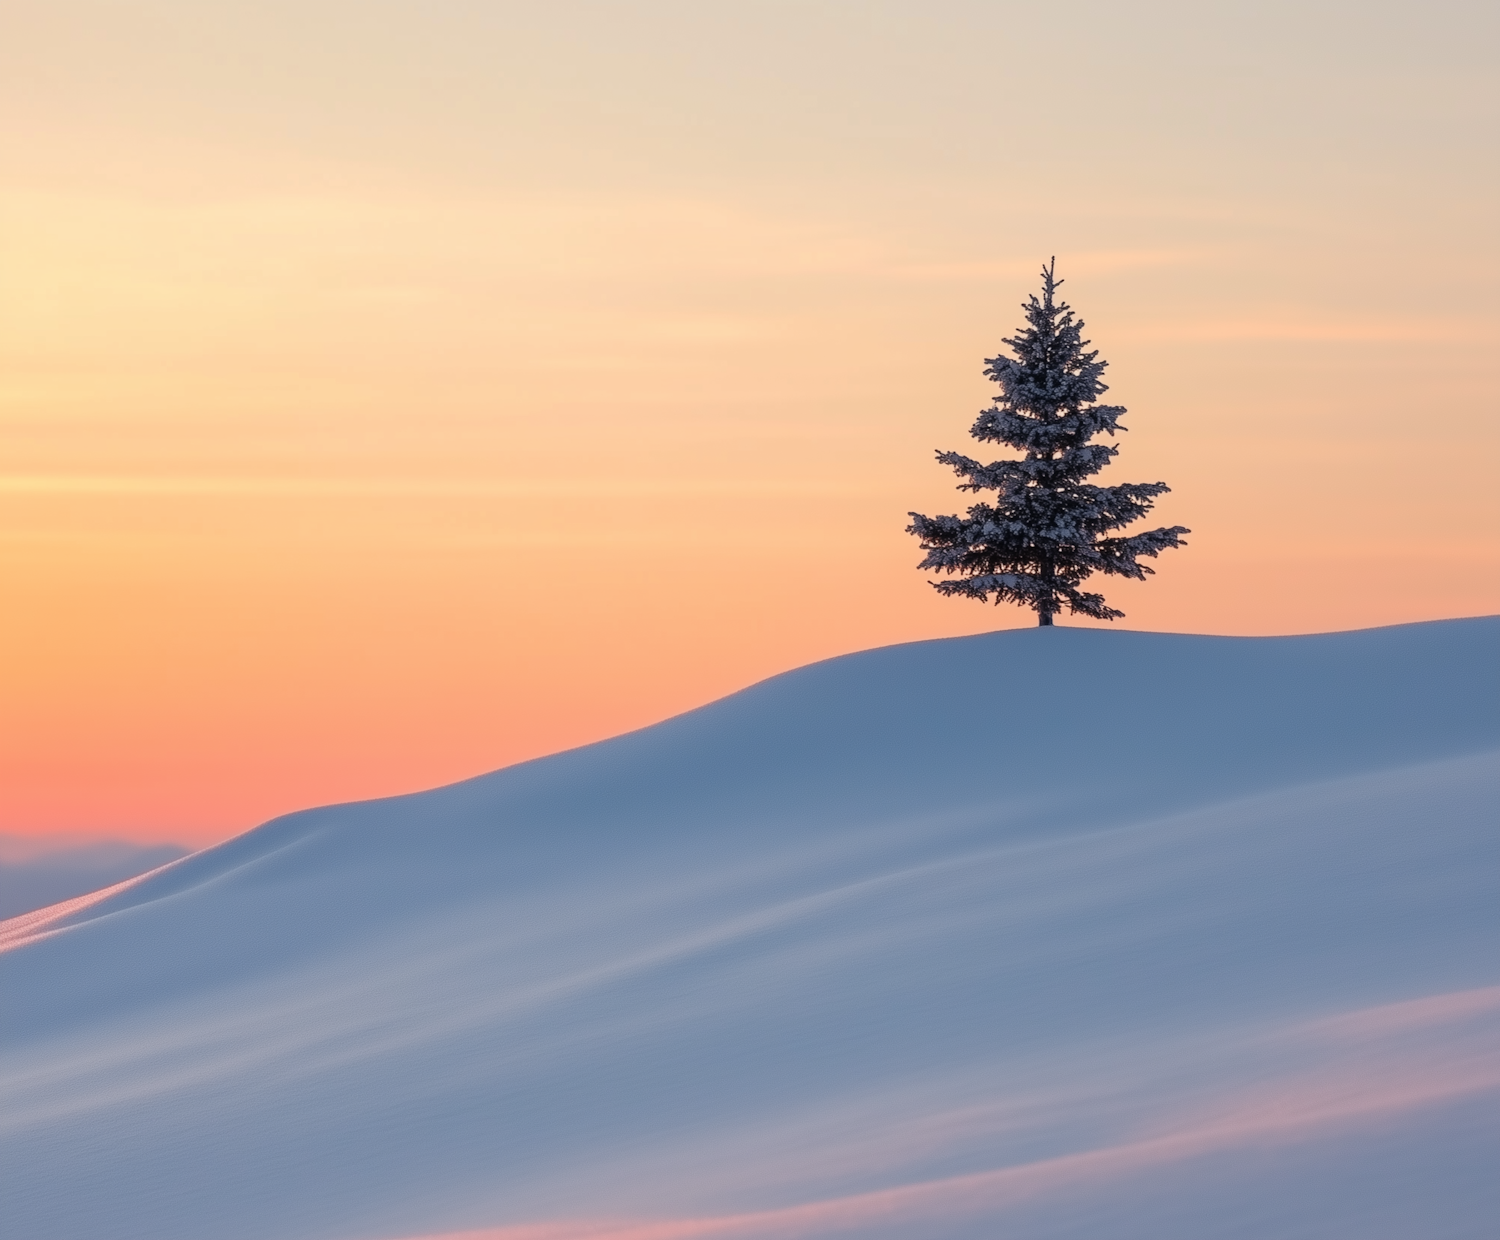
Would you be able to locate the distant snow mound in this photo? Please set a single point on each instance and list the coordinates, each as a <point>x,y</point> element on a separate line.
<point>41,875</point>
<point>1048,933</point>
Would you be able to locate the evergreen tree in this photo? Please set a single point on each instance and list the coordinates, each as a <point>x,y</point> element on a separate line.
<point>1048,529</point>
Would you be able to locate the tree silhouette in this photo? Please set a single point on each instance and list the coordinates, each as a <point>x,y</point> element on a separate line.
<point>1047,529</point>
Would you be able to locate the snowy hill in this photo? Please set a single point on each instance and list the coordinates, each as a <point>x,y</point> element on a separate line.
<point>1044,933</point>
<point>33,875</point>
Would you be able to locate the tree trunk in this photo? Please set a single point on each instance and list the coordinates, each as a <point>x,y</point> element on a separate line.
<point>1049,574</point>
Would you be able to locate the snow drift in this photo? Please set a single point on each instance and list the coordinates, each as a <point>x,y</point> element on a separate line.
<point>1044,933</point>
<point>36,873</point>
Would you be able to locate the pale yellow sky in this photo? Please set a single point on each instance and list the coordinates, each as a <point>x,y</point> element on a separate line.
<point>392,391</point>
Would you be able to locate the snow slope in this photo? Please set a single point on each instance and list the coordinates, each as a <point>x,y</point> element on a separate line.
<point>33,875</point>
<point>1046,933</point>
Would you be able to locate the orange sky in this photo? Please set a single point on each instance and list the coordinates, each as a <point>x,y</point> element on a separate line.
<point>391,393</point>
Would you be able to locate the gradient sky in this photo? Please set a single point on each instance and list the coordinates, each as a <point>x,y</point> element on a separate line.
<point>392,391</point>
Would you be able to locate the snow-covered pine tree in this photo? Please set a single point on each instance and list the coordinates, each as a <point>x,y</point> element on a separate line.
<point>1047,529</point>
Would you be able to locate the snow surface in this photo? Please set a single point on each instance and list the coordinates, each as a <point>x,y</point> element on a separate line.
<point>1048,933</point>
<point>34,874</point>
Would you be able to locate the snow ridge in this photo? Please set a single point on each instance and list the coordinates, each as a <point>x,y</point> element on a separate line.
<point>925,940</point>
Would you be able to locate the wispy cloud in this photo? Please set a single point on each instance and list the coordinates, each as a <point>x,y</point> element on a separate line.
<point>1294,328</point>
<point>209,485</point>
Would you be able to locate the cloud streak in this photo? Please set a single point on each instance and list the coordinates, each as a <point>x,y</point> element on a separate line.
<point>209,485</point>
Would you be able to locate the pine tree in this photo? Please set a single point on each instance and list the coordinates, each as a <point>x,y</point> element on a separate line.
<point>1048,529</point>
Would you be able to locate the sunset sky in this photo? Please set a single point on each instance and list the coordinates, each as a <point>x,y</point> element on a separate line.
<point>393,391</point>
